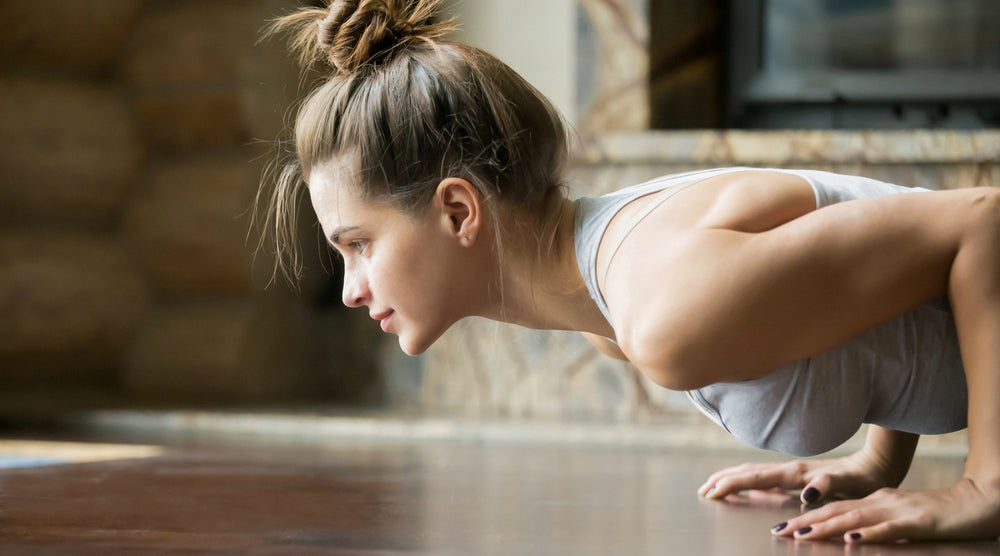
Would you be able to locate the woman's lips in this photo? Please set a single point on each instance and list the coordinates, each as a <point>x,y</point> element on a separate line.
<point>383,319</point>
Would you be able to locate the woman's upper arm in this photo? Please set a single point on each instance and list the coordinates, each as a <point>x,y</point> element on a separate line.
<point>699,305</point>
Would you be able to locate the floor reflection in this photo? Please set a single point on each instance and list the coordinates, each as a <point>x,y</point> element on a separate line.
<point>413,499</point>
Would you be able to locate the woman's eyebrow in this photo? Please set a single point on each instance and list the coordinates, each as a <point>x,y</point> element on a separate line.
<point>335,235</point>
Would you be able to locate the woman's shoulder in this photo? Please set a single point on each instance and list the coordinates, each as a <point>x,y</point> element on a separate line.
<point>739,198</point>
<point>746,200</point>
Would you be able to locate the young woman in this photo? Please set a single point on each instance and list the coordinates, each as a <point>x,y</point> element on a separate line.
<point>792,306</point>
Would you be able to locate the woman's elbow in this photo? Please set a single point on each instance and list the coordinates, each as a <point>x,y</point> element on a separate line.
<point>667,364</point>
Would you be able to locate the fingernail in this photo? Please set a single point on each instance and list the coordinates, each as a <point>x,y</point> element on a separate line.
<point>779,527</point>
<point>804,531</point>
<point>810,495</point>
<point>855,536</point>
<point>710,492</point>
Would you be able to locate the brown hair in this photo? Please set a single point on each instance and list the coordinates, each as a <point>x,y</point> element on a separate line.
<point>404,108</point>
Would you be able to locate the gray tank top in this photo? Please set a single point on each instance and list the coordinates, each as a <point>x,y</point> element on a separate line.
<point>905,374</point>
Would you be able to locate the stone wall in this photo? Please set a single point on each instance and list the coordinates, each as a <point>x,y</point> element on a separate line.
<point>132,138</point>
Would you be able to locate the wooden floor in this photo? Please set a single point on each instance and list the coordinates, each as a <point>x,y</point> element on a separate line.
<point>403,499</point>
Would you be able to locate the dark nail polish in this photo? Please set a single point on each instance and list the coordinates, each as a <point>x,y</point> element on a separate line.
<point>804,531</point>
<point>810,495</point>
<point>855,536</point>
<point>779,527</point>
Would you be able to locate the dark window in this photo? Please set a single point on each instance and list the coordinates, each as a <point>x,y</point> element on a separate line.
<point>863,64</point>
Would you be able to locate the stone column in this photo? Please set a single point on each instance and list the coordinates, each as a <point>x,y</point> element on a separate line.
<point>612,65</point>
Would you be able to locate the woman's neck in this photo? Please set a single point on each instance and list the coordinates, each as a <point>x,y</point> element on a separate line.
<point>545,292</point>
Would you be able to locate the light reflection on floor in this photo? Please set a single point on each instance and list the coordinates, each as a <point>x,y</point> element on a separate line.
<point>25,453</point>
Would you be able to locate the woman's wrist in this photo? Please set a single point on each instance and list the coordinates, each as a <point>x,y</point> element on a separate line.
<point>986,482</point>
<point>982,466</point>
<point>888,453</point>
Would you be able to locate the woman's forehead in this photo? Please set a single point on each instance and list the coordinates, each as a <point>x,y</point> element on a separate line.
<point>332,192</point>
<point>332,204</point>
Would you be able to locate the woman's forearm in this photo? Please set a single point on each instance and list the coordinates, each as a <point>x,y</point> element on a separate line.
<point>983,378</point>
<point>974,290</point>
<point>891,452</point>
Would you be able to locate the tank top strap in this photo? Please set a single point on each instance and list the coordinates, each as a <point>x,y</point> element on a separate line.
<point>636,219</point>
<point>594,214</point>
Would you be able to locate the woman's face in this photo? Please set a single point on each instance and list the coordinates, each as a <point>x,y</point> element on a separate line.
<point>410,272</point>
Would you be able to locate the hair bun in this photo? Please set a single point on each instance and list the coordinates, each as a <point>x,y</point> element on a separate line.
<point>359,32</point>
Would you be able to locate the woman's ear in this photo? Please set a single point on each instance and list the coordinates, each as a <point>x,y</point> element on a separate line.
<point>461,209</point>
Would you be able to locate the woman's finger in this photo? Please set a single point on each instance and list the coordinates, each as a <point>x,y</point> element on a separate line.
<point>883,532</point>
<point>710,482</point>
<point>758,477</point>
<point>838,521</point>
<point>811,524</point>
<point>822,488</point>
<point>882,517</point>
<point>830,486</point>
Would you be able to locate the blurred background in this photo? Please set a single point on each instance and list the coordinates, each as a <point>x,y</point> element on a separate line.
<point>134,134</point>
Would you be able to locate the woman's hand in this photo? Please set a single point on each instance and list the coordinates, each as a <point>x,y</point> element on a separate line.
<point>966,511</point>
<point>853,476</point>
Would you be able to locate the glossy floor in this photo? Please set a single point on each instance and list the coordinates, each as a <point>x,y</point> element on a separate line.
<point>431,498</point>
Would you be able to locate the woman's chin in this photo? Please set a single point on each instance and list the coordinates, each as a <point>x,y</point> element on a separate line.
<point>416,345</point>
<point>410,350</point>
<point>411,346</point>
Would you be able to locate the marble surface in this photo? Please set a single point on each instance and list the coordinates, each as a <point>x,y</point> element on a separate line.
<point>612,68</point>
<point>483,368</point>
<point>784,147</point>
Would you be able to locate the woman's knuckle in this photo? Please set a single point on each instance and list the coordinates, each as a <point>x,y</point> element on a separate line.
<point>854,516</point>
<point>799,467</point>
<point>891,528</point>
<point>924,521</point>
<point>839,507</point>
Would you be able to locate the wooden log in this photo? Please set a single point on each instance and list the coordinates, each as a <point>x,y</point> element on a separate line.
<point>65,34</point>
<point>201,78</point>
<point>187,222</point>
<point>236,350</point>
<point>70,152</point>
<point>69,305</point>
<point>189,121</point>
<point>189,42</point>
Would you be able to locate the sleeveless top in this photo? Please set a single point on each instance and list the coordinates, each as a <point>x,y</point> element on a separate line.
<point>905,374</point>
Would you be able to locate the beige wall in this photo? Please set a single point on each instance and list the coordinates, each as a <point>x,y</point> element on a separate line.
<point>534,37</point>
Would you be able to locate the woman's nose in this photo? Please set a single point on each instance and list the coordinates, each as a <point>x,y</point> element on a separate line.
<point>356,291</point>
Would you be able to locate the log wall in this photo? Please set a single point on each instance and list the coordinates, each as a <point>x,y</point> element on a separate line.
<point>133,134</point>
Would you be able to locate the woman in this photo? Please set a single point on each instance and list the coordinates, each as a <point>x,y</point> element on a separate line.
<point>791,305</point>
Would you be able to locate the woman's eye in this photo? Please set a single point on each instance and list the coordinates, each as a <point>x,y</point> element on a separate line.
<point>357,246</point>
